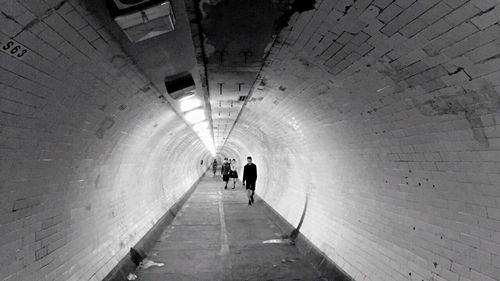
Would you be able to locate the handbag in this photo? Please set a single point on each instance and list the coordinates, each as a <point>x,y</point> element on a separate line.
<point>233,174</point>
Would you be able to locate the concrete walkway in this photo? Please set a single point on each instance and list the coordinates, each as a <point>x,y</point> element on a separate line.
<point>218,236</point>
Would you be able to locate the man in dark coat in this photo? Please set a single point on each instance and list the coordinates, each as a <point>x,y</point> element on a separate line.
<point>225,169</point>
<point>214,166</point>
<point>250,177</point>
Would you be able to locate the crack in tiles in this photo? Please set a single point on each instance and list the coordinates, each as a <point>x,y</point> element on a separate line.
<point>489,59</point>
<point>458,70</point>
<point>35,21</point>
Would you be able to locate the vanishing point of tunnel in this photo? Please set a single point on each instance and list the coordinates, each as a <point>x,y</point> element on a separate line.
<point>372,124</point>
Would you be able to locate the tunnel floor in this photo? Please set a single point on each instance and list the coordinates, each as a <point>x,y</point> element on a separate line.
<point>218,236</point>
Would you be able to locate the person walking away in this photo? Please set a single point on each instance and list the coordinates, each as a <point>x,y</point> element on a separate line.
<point>225,169</point>
<point>214,166</point>
<point>250,177</point>
<point>233,173</point>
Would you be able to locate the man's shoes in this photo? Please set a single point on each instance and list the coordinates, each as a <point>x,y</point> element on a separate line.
<point>234,187</point>
<point>249,202</point>
<point>225,187</point>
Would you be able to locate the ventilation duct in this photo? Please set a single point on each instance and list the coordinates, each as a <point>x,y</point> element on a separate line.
<point>141,20</point>
<point>180,86</point>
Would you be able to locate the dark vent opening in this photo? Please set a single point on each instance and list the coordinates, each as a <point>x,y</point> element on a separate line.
<point>242,98</point>
<point>179,82</point>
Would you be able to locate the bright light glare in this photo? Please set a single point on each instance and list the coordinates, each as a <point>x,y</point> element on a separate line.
<point>190,103</point>
<point>204,133</point>
<point>195,116</point>
<point>207,140</point>
<point>200,126</point>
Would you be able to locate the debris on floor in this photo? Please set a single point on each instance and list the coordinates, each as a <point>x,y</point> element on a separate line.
<point>131,276</point>
<point>288,260</point>
<point>147,263</point>
<point>277,241</point>
<point>137,255</point>
<point>292,237</point>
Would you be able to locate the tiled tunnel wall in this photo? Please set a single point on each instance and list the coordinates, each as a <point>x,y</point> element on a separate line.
<point>384,116</point>
<point>90,158</point>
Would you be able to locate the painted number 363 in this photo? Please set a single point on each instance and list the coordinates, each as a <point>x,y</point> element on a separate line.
<point>14,49</point>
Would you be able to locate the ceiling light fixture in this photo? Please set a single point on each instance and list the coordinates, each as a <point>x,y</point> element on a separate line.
<point>207,141</point>
<point>195,116</point>
<point>200,126</point>
<point>190,103</point>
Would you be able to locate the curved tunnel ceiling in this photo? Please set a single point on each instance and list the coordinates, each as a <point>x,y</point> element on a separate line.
<point>375,121</point>
<point>237,36</point>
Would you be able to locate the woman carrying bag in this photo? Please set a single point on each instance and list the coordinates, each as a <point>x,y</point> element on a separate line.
<point>233,172</point>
